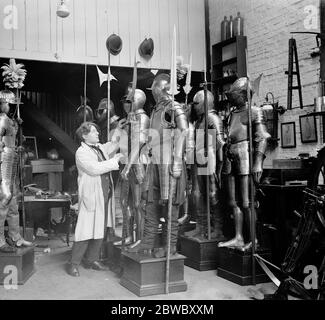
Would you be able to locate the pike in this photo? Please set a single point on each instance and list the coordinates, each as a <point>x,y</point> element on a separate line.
<point>172,181</point>
<point>187,89</point>
<point>206,142</point>
<point>125,184</point>
<point>251,182</point>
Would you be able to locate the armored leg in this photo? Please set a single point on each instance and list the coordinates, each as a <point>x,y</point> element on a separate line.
<point>238,241</point>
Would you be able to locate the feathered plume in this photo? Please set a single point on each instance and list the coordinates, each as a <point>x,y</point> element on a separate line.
<point>13,74</point>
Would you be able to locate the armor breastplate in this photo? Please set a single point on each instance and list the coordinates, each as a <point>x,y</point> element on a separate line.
<point>160,135</point>
<point>10,131</point>
<point>238,128</point>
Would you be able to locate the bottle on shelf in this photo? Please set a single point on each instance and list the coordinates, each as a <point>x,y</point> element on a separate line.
<point>238,25</point>
<point>224,28</point>
<point>230,32</point>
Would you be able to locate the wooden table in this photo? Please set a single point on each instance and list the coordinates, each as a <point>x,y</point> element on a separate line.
<point>35,206</point>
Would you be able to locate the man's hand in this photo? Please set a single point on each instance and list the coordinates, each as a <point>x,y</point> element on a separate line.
<point>118,157</point>
<point>125,174</point>
<point>122,123</point>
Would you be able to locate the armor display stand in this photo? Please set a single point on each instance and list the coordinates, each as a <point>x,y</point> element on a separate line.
<point>144,274</point>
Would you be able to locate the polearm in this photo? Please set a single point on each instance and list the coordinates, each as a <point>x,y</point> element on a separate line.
<point>108,93</point>
<point>251,182</point>
<point>85,93</point>
<point>187,89</point>
<point>206,146</point>
<point>21,163</point>
<point>172,181</point>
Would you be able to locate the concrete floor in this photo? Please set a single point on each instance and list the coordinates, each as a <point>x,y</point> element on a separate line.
<point>51,282</point>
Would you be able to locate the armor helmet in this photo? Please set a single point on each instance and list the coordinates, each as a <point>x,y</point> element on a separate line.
<point>114,44</point>
<point>139,99</point>
<point>160,86</point>
<point>146,49</point>
<point>7,96</point>
<point>237,94</point>
<point>198,102</point>
<point>101,112</point>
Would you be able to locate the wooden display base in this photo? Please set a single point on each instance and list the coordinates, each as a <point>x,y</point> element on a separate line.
<point>201,255</point>
<point>23,260</point>
<point>236,266</point>
<point>145,276</point>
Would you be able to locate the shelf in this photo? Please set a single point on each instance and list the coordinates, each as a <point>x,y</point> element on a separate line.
<point>226,62</point>
<point>224,80</point>
<point>226,42</point>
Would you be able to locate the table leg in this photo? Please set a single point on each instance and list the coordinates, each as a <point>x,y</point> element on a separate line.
<point>68,222</point>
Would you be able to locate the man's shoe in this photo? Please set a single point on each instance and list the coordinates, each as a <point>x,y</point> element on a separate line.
<point>7,249</point>
<point>72,270</point>
<point>96,265</point>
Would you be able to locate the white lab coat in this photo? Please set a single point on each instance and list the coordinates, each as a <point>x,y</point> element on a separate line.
<point>91,217</point>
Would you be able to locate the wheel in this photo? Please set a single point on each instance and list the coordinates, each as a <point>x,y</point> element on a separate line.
<point>317,183</point>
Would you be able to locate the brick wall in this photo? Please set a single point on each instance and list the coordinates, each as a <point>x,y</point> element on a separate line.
<point>267,25</point>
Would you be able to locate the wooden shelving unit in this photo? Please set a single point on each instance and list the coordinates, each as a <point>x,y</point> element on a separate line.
<point>228,64</point>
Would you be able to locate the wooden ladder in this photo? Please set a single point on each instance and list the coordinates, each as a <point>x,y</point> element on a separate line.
<point>293,55</point>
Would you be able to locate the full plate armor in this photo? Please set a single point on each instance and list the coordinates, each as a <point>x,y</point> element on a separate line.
<point>199,173</point>
<point>237,157</point>
<point>134,172</point>
<point>8,175</point>
<point>160,168</point>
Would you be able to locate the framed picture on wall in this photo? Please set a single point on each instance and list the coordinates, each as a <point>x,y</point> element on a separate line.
<point>308,130</point>
<point>288,135</point>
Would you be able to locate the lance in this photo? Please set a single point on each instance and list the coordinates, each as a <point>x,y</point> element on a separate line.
<point>251,182</point>
<point>108,94</point>
<point>172,181</point>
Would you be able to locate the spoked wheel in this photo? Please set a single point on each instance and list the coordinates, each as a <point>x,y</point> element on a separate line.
<point>317,183</point>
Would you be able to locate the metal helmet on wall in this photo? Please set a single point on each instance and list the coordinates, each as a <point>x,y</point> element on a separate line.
<point>146,49</point>
<point>101,112</point>
<point>198,101</point>
<point>114,44</point>
<point>160,86</point>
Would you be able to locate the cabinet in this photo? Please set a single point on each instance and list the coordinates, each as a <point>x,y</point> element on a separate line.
<point>228,64</point>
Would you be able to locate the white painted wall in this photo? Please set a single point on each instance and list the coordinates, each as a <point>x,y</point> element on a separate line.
<point>81,37</point>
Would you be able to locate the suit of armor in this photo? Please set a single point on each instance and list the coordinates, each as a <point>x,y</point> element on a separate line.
<point>161,167</point>
<point>199,174</point>
<point>8,174</point>
<point>134,171</point>
<point>236,166</point>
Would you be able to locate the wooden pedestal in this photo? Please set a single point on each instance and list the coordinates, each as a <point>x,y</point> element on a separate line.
<point>201,255</point>
<point>145,276</point>
<point>23,260</point>
<point>236,266</point>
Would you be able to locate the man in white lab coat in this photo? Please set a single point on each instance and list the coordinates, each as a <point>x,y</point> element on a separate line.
<point>96,196</point>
